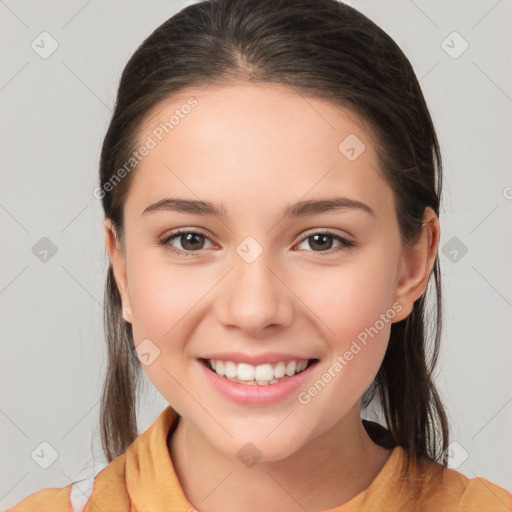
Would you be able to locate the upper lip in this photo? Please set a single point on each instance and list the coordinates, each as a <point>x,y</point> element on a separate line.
<point>256,359</point>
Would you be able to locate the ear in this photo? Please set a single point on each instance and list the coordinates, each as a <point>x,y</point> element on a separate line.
<point>416,265</point>
<point>118,261</point>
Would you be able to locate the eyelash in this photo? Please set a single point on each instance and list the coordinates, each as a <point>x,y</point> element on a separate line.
<point>165,242</point>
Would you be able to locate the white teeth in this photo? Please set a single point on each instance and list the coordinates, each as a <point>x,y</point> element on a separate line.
<point>290,369</point>
<point>262,374</point>
<point>245,371</point>
<point>301,365</point>
<point>279,370</point>
<point>230,369</point>
<point>219,368</point>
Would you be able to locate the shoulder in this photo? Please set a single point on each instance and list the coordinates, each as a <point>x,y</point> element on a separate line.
<point>482,495</point>
<point>55,499</point>
<point>70,498</point>
<point>407,483</point>
<point>453,490</point>
<point>433,487</point>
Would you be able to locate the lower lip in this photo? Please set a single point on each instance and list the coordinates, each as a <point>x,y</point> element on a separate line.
<point>256,394</point>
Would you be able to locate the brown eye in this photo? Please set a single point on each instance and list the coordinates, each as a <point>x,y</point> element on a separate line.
<point>323,242</point>
<point>190,242</point>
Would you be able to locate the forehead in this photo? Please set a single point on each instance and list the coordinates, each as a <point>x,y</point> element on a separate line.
<point>242,105</point>
<point>255,140</point>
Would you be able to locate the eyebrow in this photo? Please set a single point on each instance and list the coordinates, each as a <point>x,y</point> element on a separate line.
<point>299,209</point>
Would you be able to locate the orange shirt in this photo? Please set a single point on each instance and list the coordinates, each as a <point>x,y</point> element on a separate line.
<point>143,479</point>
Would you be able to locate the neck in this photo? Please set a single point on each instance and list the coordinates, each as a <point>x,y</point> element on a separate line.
<point>325,473</point>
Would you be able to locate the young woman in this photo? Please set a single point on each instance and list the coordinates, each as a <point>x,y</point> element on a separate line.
<point>271,182</point>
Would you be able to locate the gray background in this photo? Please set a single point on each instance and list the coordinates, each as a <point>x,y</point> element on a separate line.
<point>55,111</point>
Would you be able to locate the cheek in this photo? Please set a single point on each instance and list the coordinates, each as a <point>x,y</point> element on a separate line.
<point>161,295</point>
<point>348,299</point>
<point>353,306</point>
<point>160,300</point>
<point>165,299</point>
<point>356,318</point>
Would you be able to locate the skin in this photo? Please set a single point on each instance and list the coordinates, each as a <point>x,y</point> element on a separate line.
<point>257,149</point>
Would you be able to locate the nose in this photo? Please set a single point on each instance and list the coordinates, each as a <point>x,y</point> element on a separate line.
<point>254,296</point>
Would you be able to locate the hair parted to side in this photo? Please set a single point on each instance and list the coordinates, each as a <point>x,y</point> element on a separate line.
<point>328,50</point>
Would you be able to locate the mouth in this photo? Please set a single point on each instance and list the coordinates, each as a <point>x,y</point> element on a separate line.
<point>260,375</point>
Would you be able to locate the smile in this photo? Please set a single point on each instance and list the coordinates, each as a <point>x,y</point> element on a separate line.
<point>263,374</point>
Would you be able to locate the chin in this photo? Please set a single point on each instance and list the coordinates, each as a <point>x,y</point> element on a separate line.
<point>260,448</point>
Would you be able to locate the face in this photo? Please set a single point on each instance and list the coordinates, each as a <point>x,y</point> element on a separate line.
<point>251,285</point>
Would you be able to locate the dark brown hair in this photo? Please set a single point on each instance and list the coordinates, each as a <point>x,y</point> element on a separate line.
<point>328,50</point>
